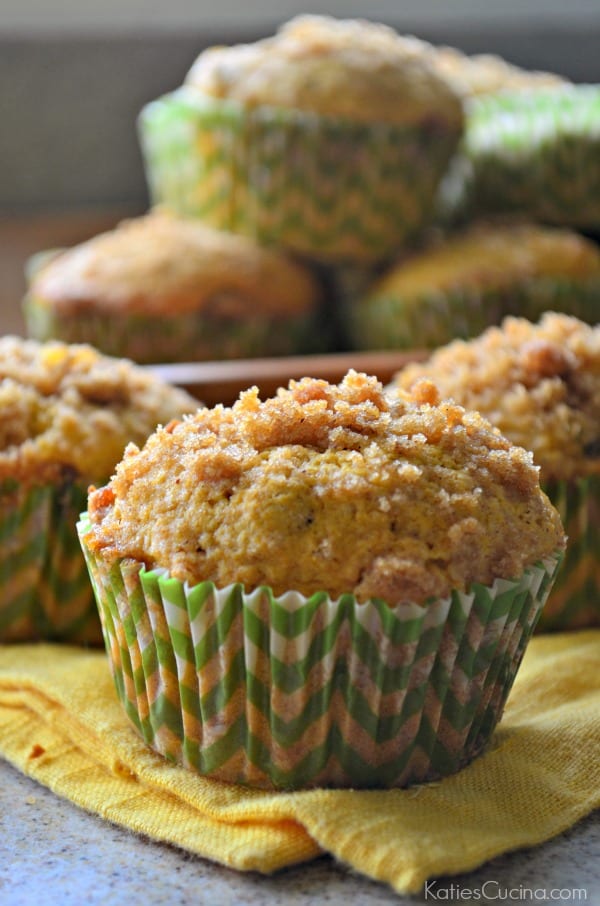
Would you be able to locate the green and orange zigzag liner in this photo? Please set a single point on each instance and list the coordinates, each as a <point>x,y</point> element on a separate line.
<point>535,153</point>
<point>575,599</point>
<point>176,337</point>
<point>45,588</point>
<point>378,321</point>
<point>318,185</point>
<point>290,692</point>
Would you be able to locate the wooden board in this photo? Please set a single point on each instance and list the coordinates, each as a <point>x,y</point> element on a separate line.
<point>222,382</point>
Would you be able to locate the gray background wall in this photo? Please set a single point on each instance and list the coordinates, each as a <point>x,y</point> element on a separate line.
<point>73,75</point>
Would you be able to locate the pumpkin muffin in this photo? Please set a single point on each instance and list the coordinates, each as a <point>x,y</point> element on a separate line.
<point>161,289</point>
<point>352,582</point>
<point>329,138</point>
<point>532,154</point>
<point>67,415</point>
<point>460,285</point>
<point>540,385</point>
<point>473,75</point>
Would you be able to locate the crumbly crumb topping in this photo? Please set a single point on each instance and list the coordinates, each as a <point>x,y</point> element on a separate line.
<point>346,68</point>
<point>66,408</point>
<point>479,74</point>
<point>331,487</point>
<point>538,383</point>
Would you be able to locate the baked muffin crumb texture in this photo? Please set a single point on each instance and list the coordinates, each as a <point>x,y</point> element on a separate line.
<point>538,383</point>
<point>334,488</point>
<point>69,411</point>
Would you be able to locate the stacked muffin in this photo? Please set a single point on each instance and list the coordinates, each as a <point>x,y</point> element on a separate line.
<point>340,146</point>
<point>473,279</point>
<point>162,289</point>
<point>336,140</point>
<point>534,154</point>
<point>329,138</point>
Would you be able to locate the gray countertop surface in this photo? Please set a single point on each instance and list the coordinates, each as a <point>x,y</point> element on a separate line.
<point>52,852</point>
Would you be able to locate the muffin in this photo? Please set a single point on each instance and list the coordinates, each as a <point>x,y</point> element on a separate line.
<point>162,289</point>
<point>471,280</point>
<point>328,138</point>
<point>531,153</point>
<point>473,75</point>
<point>67,415</point>
<point>324,588</point>
<point>540,385</point>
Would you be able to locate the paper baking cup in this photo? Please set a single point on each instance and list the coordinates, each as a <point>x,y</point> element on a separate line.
<point>321,186</point>
<point>44,586</point>
<point>290,692</point>
<point>535,153</point>
<point>388,321</point>
<point>185,337</point>
<point>575,599</point>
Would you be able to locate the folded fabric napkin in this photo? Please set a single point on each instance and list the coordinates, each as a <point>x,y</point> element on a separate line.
<point>60,723</point>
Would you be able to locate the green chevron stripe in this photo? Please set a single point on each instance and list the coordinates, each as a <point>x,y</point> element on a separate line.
<point>575,599</point>
<point>433,319</point>
<point>207,705</point>
<point>318,185</point>
<point>503,667</point>
<point>46,589</point>
<point>535,154</point>
<point>181,337</point>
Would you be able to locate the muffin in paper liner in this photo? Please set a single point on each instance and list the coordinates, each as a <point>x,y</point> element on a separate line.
<point>182,337</point>
<point>461,284</point>
<point>533,153</point>
<point>291,692</point>
<point>575,599</point>
<point>158,288</point>
<point>538,383</point>
<point>318,185</point>
<point>67,415</point>
<point>46,591</point>
<point>388,321</point>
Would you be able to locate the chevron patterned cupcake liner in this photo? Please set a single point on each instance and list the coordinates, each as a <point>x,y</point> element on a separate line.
<point>46,591</point>
<point>291,692</point>
<point>574,602</point>
<point>320,186</point>
<point>536,154</point>
<point>433,319</point>
<point>185,337</point>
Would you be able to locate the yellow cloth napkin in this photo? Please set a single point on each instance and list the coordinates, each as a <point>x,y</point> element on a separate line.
<point>60,722</point>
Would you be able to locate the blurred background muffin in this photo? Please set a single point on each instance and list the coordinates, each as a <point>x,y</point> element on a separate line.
<point>329,138</point>
<point>67,415</point>
<point>540,385</point>
<point>533,153</point>
<point>470,280</point>
<point>477,74</point>
<point>160,289</point>
<point>364,570</point>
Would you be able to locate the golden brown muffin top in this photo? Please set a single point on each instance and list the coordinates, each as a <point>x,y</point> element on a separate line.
<point>159,264</point>
<point>333,488</point>
<point>69,411</point>
<point>478,74</point>
<point>345,68</point>
<point>538,383</point>
<point>493,257</point>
